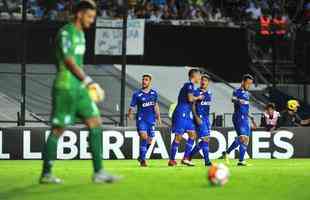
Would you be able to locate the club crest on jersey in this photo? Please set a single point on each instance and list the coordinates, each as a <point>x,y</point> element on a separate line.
<point>150,103</point>
<point>79,50</point>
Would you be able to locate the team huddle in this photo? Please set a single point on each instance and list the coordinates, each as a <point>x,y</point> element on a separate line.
<point>191,116</point>
<point>75,95</point>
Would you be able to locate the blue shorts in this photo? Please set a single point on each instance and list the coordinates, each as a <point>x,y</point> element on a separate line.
<point>182,122</point>
<point>146,127</point>
<point>203,129</point>
<point>242,125</point>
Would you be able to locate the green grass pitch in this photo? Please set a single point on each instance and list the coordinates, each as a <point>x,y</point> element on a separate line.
<point>266,179</point>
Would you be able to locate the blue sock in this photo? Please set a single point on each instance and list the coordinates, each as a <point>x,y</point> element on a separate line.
<point>242,151</point>
<point>205,151</point>
<point>188,148</point>
<point>196,149</point>
<point>234,145</point>
<point>174,149</point>
<point>143,149</point>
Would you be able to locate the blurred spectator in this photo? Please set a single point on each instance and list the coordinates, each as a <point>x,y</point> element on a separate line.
<point>254,10</point>
<point>159,3</point>
<point>307,11</point>
<point>153,10</point>
<point>290,118</point>
<point>156,14</point>
<point>270,117</point>
<point>166,14</point>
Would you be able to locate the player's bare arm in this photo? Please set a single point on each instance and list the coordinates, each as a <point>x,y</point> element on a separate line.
<point>254,125</point>
<point>196,116</point>
<point>157,111</point>
<point>236,100</point>
<point>130,113</point>
<point>95,91</point>
<point>75,70</point>
<point>192,98</point>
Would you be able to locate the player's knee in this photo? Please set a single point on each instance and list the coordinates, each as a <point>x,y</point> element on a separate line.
<point>93,122</point>
<point>205,139</point>
<point>241,139</point>
<point>143,136</point>
<point>246,140</point>
<point>178,138</point>
<point>58,131</point>
<point>150,140</point>
<point>192,135</point>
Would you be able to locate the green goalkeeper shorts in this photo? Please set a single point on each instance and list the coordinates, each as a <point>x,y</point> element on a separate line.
<point>67,105</point>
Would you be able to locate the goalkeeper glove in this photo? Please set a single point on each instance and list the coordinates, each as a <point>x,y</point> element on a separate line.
<point>95,92</point>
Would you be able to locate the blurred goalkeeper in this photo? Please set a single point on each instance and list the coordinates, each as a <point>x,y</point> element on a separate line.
<point>75,94</point>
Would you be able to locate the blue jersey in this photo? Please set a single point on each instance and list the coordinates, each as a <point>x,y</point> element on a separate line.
<point>203,106</point>
<point>241,108</point>
<point>145,103</point>
<point>184,105</point>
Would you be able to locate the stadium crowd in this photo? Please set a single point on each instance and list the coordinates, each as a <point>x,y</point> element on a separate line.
<point>156,10</point>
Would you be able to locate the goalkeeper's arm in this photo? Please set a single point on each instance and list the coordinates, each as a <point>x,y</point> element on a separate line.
<point>96,92</point>
<point>76,71</point>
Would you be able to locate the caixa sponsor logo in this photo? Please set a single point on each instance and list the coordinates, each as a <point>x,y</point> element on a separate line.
<point>205,103</point>
<point>150,103</point>
<point>125,144</point>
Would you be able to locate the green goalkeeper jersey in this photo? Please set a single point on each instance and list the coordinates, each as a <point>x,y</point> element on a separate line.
<point>70,43</point>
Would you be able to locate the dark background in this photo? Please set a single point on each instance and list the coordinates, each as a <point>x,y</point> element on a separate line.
<point>218,49</point>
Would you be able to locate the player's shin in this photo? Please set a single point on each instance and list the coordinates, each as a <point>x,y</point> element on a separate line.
<point>242,149</point>
<point>96,147</point>
<point>49,153</point>
<point>196,149</point>
<point>174,149</point>
<point>188,148</point>
<point>143,149</point>
<point>234,145</point>
<point>205,151</point>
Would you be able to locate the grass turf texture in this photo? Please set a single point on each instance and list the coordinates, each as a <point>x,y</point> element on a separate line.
<point>266,179</point>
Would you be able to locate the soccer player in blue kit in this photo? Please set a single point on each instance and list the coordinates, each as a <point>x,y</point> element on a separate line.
<point>241,121</point>
<point>182,119</point>
<point>201,111</point>
<point>146,101</point>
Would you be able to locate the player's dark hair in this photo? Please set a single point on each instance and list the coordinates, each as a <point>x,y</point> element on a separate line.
<point>84,5</point>
<point>247,76</point>
<point>270,105</point>
<point>192,72</point>
<point>147,75</point>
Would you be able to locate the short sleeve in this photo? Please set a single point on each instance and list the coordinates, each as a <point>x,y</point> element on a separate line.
<point>134,100</point>
<point>209,96</point>
<point>235,95</point>
<point>190,88</point>
<point>156,96</point>
<point>65,44</point>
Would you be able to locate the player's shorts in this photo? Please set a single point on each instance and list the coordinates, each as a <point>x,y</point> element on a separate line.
<point>69,104</point>
<point>203,130</point>
<point>147,127</point>
<point>242,125</point>
<point>182,122</point>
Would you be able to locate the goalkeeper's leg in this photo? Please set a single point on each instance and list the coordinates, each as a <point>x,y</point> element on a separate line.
<point>49,155</point>
<point>100,176</point>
